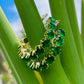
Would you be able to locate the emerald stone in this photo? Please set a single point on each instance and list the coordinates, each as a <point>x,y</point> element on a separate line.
<point>24,35</point>
<point>50,60</point>
<point>29,50</point>
<point>59,41</point>
<point>52,19</point>
<point>61,32</point>
<point>21,41</point>
<point>46,43</point>
<point>52,26</point>
<point>46,24</point>
<point>50,34</point>
<point>25,40</point>
<point>39,51</point>
<point>56,51</point>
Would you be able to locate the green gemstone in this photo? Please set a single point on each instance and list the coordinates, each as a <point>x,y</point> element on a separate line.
<point>21,41</point>
<point>59,41</point>
<point>52,19</point>
<point>56,51</point>
<point>24,35</point>
<point>46,24</point>
<point>46,43</point>
<point>61,32</point>
<point>52,26</point>
<point>29,50</point>
<point>50,34</point>
<point>50,60</point>
<point>25,40</point>
<point>39,51</point>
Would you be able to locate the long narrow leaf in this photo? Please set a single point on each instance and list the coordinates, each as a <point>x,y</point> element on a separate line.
<point>75,30</point>
<point>31,21</point>
<point>82,22</point>
<point>11,43</point>
<point>69,57</point>
<point>14,72</point>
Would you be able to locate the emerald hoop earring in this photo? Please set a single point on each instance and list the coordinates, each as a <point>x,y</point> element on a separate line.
<point>49,47</point>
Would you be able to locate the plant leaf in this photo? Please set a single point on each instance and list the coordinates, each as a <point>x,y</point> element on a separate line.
<point>31,21</point>
<point>69,57</point>
<point>21,72</point>
<point>75,30</point>
<point>14,72</point>
<point>82,22</point>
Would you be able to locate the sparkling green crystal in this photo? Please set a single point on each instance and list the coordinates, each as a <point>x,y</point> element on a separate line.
<point>50,34</point>
<point>25,40</point>
<point>52,19</point>
<point>46,43</point>
<point>46,24</point>
<point>39,51</point>
<point>29,50</point>
<point>59,41</point>
<point>24,35</point>
<point>52,26</point>
<point>56,51</point>
<point>21,41</point>
<point>50,60</point>
<point>61,32</point>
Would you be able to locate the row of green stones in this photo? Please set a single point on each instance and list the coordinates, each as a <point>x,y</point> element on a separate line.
<point>44,54</point>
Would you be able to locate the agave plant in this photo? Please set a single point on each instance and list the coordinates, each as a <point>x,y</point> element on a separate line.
<point>69,69</point>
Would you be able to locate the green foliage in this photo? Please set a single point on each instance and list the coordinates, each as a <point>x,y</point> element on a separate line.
<point>82,22</point>
<point>67,69</point>
<point>31,21</point>
<point>10,41</point>
<point>69,57</point>
<point>75,30</point>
